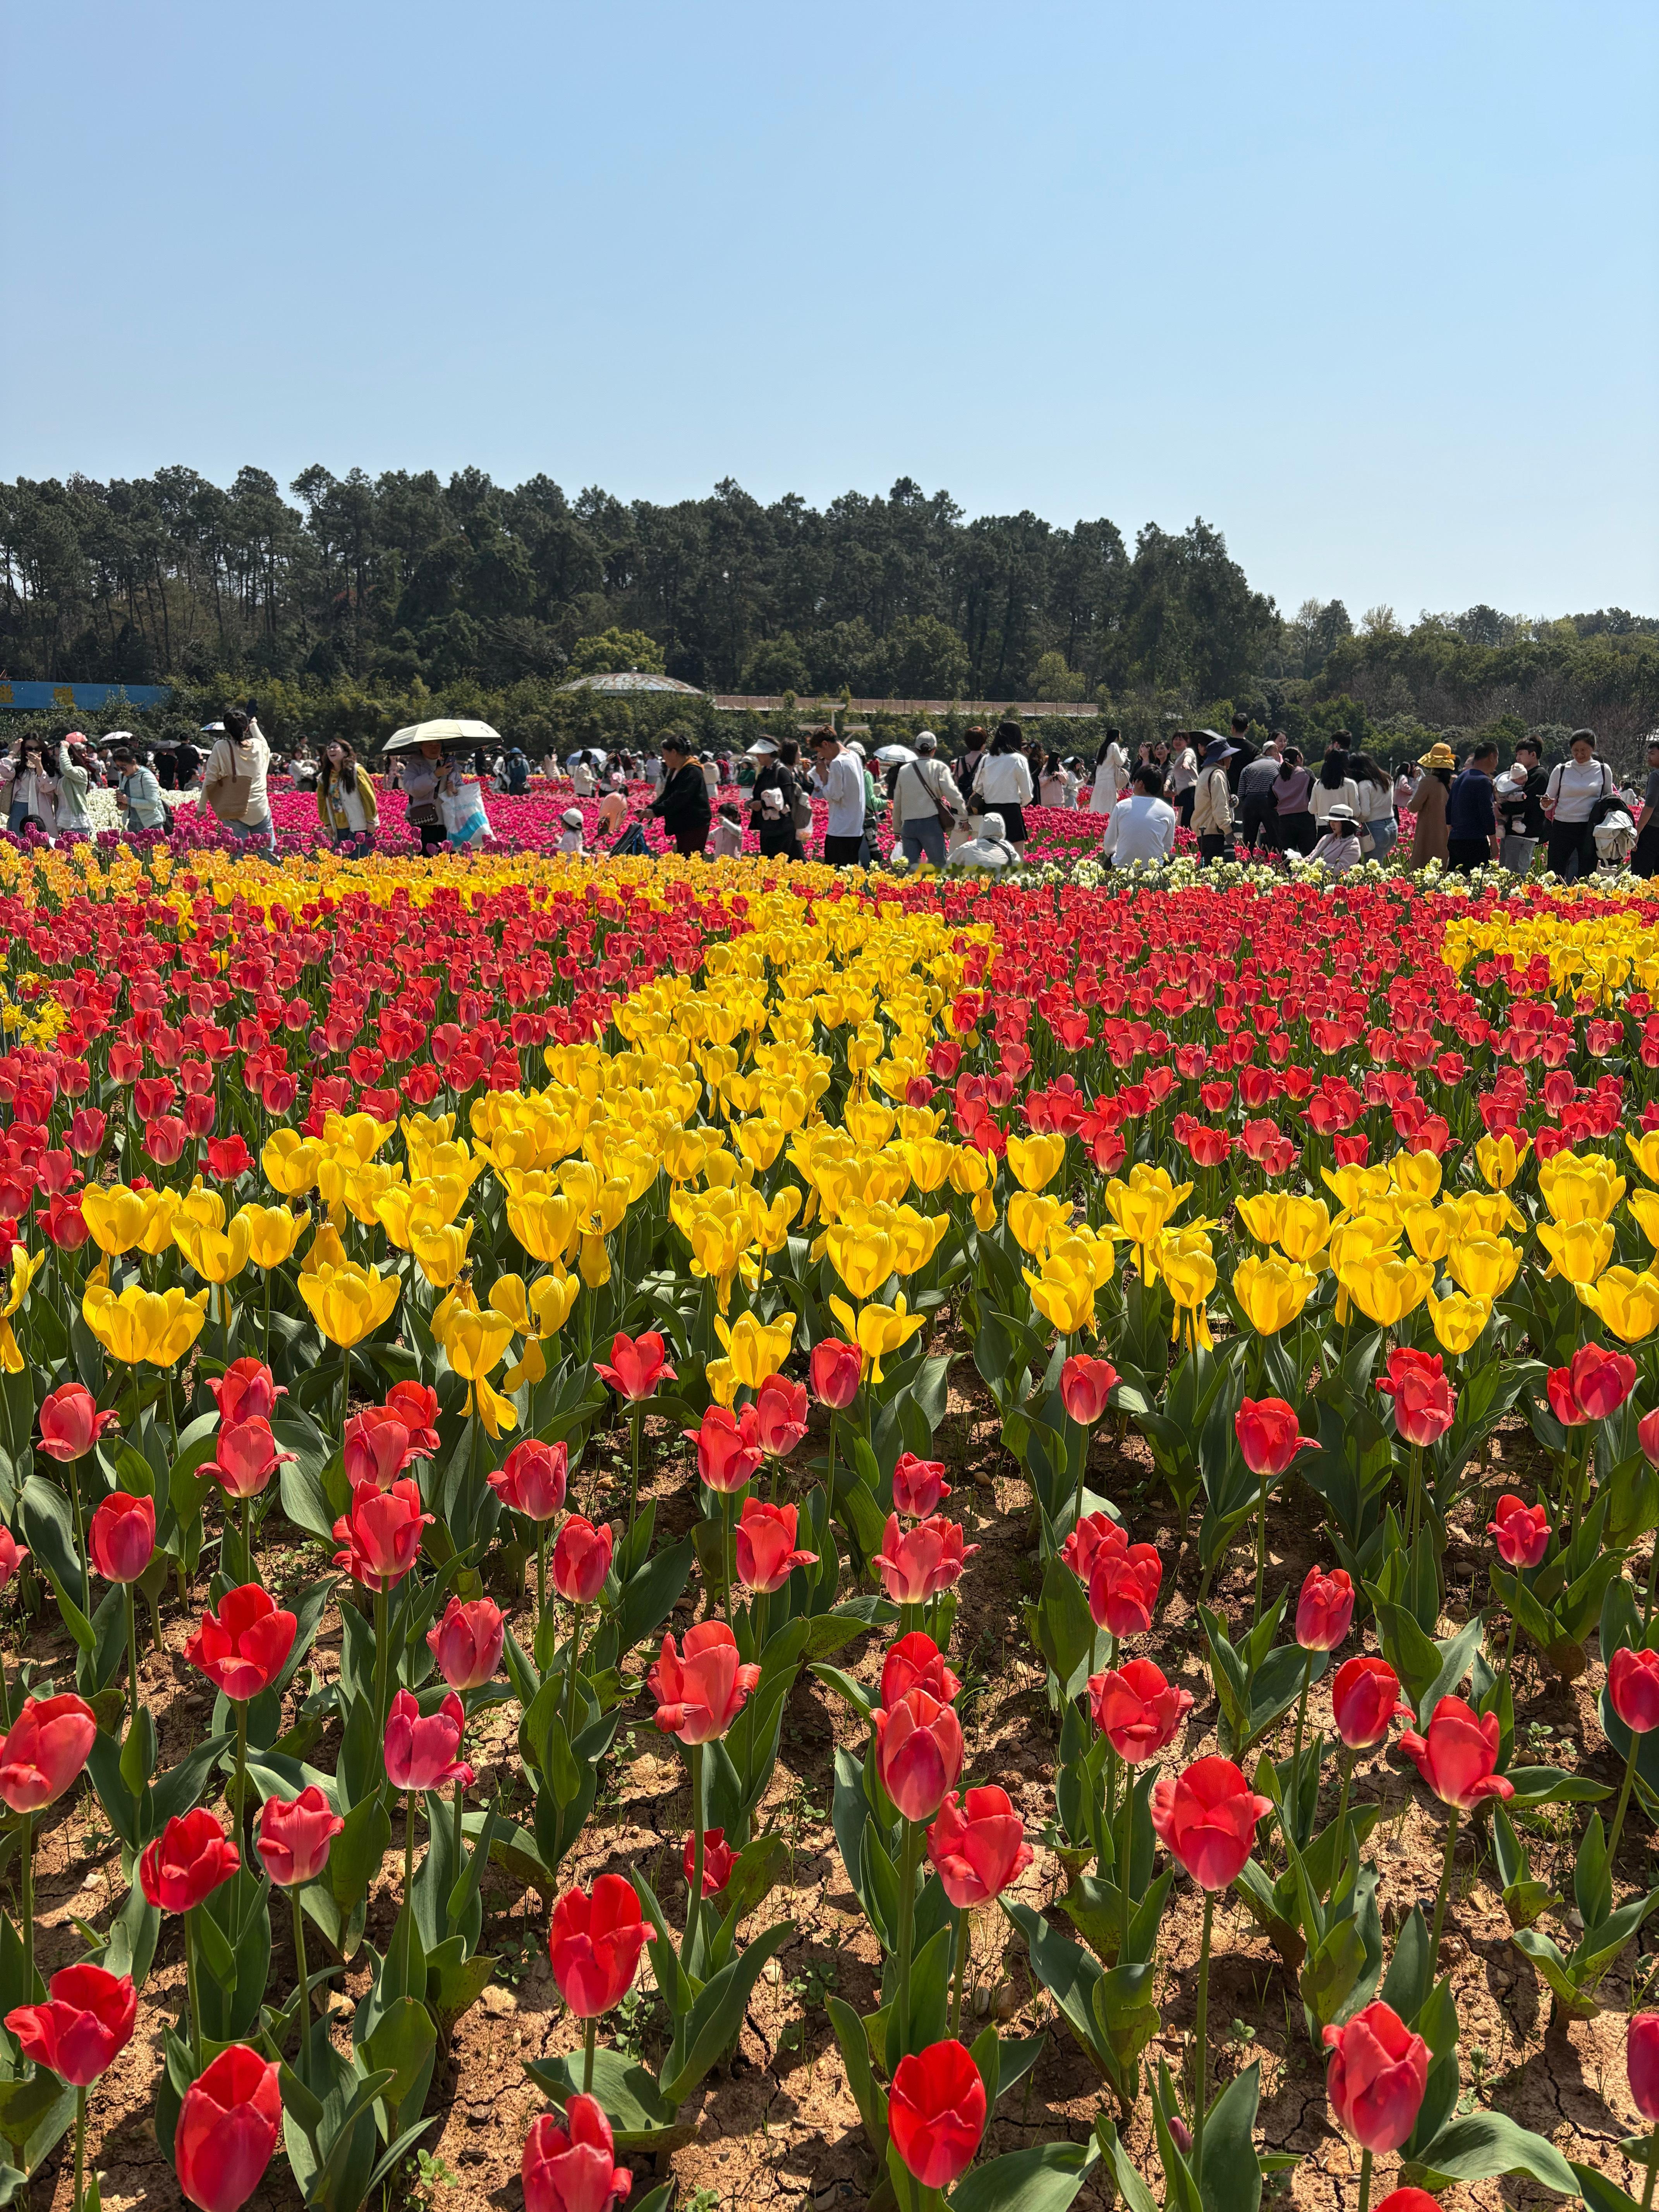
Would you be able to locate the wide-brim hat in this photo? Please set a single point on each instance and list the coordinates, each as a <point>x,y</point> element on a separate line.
<point>1339,814</point>
<point>1438,756</point>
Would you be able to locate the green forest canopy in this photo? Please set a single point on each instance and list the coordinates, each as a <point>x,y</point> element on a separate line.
<point>358,594</point>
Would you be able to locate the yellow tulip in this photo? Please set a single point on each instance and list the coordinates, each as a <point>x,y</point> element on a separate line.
<point>1579,1249</point>
<point>202,1206</point>
<point>1628,1302</point>
<point>760,1141</point>
<point>1037,1160</point>
<point>24,1267</point>
<point>593,1261</point>
<point>772,1225</point>
<point>218,1255</point>
<point>1142,1206</point>
<point>116,1216</point>
<point>1644,1211</point>
<point>1361,1236</point>
<point>984,1212</point>
<point>722,1382</point>
<point>1580,1185</point>
<point>1485,1267</point>
<point>930,1160</point>
<point>359,1133</point>
<point>1487,1213</point>
<point>272,1233</point>
<point>544,1222</point>
<point>1387,1289</point>
<point>1184,1260</point>
<point>440,1254</point>
<point>1304,1227</point>
<point>1429,1230</point>
<point>291,1162</point>
<point>1271,1292</point>
<point>1458,1320</point>
<point>1500,1159</point>
<point>973,1172</point>
<point>1064,1295</point>
<point>1032,1220</point>
<point>1415,1175</point>
<point>1644,1151</point>
<point>1262,1214</point>
<point>1355,1187</point>
<point>863,1257</point>
<point>349,1302</point>
<point>158,1229</point>
<point>756,1348</point>
<point>156,1328</point>
<point>878,1331</point>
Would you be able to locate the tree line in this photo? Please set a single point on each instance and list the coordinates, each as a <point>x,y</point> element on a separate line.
<point>356,591</point>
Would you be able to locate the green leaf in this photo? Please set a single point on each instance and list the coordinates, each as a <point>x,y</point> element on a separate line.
<point>1230,2179</point>
<point>1044,2178</point>
<point>711,2027</point>
<point>1488,2143</point>
<point>855,2058</point>
<point>1062,1626</point>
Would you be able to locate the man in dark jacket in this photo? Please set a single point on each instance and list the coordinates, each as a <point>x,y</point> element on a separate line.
<point>1522,807</point>
<point>682,804</point>
<point>1471,815</point>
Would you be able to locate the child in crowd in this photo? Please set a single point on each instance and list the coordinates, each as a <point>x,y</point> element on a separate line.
<point>571,842</point>
<point>728,832</point>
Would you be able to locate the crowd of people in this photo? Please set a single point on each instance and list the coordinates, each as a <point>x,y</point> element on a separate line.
<point>1237,799</point>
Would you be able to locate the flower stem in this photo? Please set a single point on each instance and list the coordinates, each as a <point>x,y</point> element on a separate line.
<point>1342,1857</point>
<point>191,1987</point>
<point>960,1973</point>
<point>1653,2170</point>
<point>1201,2100</point>
<point>635,1413</point>
<point>1365,2181</point>
<point>541,1574</point>
<point>1260,1546</point>
<point>1125,1854</point>
<point>25,1896</point>
<point>459,1833</point>
<point>300,1968</point>
<point>1624,1796</point>
<point>133,1656</point>
<point>1301,1725</point>
<point>830,1483</point>
<point>907,1926</point>
<point>1446,1891</point>
<point>382,1637</point>
<point>80,2145</point>
<point>693,1899</point>
<point>590,2037</point>
<point>570,1674</point>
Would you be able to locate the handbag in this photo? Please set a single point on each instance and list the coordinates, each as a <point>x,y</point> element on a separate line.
<point>228,795</point>
<point>800,805</point>
<point>945,812</point>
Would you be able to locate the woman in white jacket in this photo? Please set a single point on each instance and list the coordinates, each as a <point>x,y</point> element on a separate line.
<point>1003,781</point>
<point>74,815</point>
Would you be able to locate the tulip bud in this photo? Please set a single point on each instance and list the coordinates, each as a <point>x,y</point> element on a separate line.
<point>594,1943</point>
<point>570,2165</point>
<point>764,1545</point>
<point>978,1844</point>
<point>729,1449</point>
<point>1136,1709</point>
<point>581,1559</point>
<point>295,1835</point>
<point>1267,1430</point>
<point>468,1642</point>
<point>1324,1610</point>
<point>1085,1385</point>
<point>914,1663</point>
<point>532,1479</point>
<point>70,1424</point>
<point>636,1366</point>
<point>936,2113</point>
<point>243,1646</point>
<point>1458,1755</point>
<point>1425,1403</point>
<point>1522,1533</point>
<point>780,1410</point>
<point>835,1369</point>
<point>1365,1698</point>
<point>12,1555</point>
<point>246,1391</point>
<point>917,1486</point>
<point>1377,2077</point>
<point>228,2123</point>
<point>917,1563</point>
<point>186,1862</point>
<point>918,1754</point>
<point>1633,1688</point>
<point>1642,2063</point>
<point>44,1749</point>
<point>718,1860</point>
<point>421,1748</point>
<point>121,1536</point>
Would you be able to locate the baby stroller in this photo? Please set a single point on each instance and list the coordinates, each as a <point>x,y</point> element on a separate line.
<point>631,845</point>
<point>1614,830</point>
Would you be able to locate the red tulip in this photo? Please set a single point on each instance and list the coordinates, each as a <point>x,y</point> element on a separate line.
<point>918,1487</point>
<point>467,1642</point>
<point>1425,1403</point>
<point>377,1449</point>
<point>637,1364</point>
<point>1647,1435</point>
<point>718,1860</point>
<point>1136,1709</point>
<point>581,1559</point>
<point>1093,1530</point>
<point>246,1391</point>
<point>1458,1756</point>
<point>245,1457</point>
<point>228,2128</point>
<point>421,1748</point>
<point>780,1410</point>
<point>44,1749</point>
<point>242,1647</point>
<point>416,1405</point>
<point>1633,1688</point>
<point>919,1753</point>
<point>914,1663</point>
<point>1409,2200</point>
<point>381,1533</point>
<point>1123,1583</point>
<point>1324,1610</point>
<point>765,1543</point>
<point>228,1158</point>
<point>936,2113</point>
<point>1595,1385</point>
<point>1642,2063</point>
<point>1377,2077</point>
<point>186,1862</point>
<point>533,1478</point>
<point>1268,1437</point>
<point>1206,1819</point>
<point>121,1536</point>
<point>70,1423</point>
<point>1366,1697</point>
<point>978,1844</point>
<point>1085,1384</point>
<point>728,1449</point>
<point>917,1563</point>
<point>294,1836</point>
<point>699,1695</point>
<point>1522,1533</point>
<point>12,1555</point>
<point>570,2165</point>
<point>835,1369</point>
<point>594,1944</point>
<point>86,2023</point>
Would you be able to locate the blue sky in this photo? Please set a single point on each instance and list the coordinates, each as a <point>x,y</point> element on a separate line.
<point>1373,289</point>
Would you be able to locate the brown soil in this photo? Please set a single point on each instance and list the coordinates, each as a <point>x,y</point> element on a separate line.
<point>780,2128</point>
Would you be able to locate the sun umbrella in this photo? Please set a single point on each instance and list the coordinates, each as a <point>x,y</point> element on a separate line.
<point>895,756</point>
<point>446,731</point>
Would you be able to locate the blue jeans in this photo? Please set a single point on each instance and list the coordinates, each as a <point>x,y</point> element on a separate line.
<point>926,835</point>
<point>1385,835</point>
<point>251,833</point>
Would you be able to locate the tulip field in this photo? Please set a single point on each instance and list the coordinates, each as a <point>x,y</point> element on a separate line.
<point>718,1534</point>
